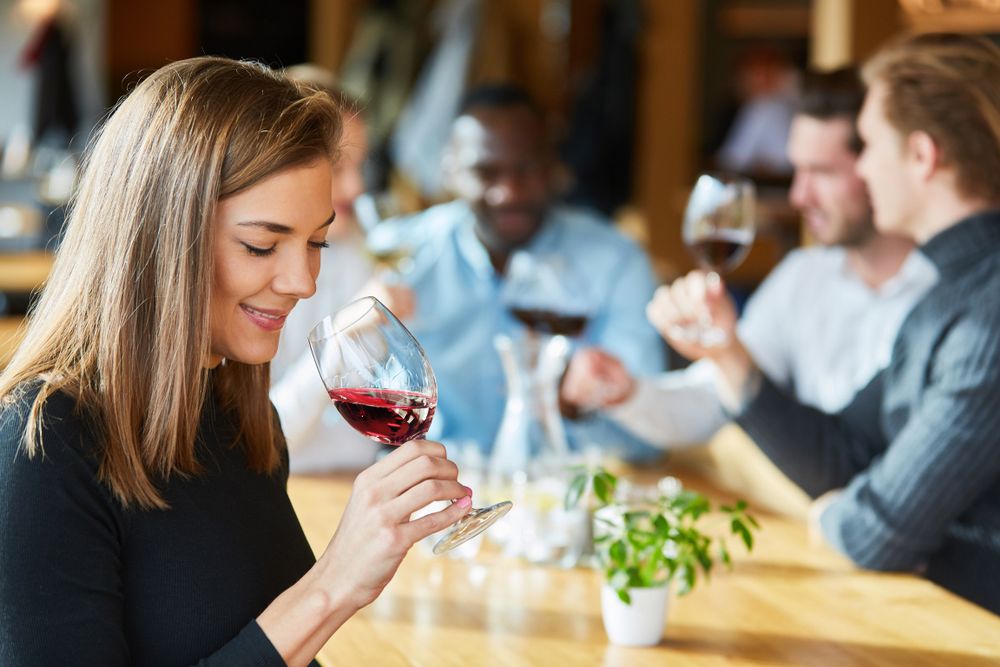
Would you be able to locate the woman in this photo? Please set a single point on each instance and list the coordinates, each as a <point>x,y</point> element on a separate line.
<point>143,512</point>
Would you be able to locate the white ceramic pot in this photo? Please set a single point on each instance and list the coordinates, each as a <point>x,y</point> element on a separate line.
<point>637,624</point>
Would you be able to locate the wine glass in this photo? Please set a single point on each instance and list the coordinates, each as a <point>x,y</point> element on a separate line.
<point>390,252</point>
<point>545,294</point>
<point>380,381</point>
<point>718,232</point>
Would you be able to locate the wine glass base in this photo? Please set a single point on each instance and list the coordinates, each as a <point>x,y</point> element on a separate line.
<point>470,525</point>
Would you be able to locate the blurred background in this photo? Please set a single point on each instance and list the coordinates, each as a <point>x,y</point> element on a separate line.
<point>641,95</point>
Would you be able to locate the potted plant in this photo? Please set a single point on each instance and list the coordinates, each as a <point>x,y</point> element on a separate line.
<point>644,544</point>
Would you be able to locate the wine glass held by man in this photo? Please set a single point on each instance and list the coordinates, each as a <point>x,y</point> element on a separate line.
<point>136,439</point>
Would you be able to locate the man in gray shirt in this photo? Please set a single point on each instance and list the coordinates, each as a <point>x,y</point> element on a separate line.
<point>908,474</point>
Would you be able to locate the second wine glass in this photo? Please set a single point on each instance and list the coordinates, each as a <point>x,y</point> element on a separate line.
<point>380,381</point>
<point>718,232</point>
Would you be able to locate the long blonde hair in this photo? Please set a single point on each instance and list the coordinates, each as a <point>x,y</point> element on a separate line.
<point>123,323</point>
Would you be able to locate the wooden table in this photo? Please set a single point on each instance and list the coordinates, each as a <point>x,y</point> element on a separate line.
<point>789,603</point>
<point>19,273</point>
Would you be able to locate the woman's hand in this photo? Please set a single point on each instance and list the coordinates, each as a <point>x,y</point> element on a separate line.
<point>374,534</point>
<point>375,531</point>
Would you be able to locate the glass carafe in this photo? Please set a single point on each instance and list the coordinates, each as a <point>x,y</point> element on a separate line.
<point>530,457</point>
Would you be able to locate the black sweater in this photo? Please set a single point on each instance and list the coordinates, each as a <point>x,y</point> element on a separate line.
<point>918,450</point>
<point>84,581</point>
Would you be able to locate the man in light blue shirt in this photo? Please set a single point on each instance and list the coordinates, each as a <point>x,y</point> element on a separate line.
<point>500,166</point>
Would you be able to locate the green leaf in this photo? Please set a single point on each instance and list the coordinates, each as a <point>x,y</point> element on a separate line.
<point>704,559</point>
<point>687,579</point>
<point>740,529</point>
<point>624,596</point>
<point>618,552</point>
<point>601,490</point>
<point>649,570</point>
<point>724,555</point>
<point>610,480</point>
<point>575,491</point>
<point>753,521</point>
<point>662,526</point>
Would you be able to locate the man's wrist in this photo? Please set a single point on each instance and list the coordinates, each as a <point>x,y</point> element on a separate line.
<point>738,377</point>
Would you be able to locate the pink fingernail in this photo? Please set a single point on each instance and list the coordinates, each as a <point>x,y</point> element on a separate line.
<point>465,502</point>
<point>467,490</point>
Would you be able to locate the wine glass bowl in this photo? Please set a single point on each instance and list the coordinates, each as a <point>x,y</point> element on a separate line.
<point>546,295</point>
<point>719,221</point>
<point>381,382</point>
<point>375,372</point>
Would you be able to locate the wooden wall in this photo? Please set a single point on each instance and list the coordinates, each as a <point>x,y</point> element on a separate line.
<point>144,35</point>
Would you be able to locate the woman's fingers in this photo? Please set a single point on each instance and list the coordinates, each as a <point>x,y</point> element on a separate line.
<point>422,495</point>
<point>419,469</point>
<point>418,529</point>
<point>401,456</point>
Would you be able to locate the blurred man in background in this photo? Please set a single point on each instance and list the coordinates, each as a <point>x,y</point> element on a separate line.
<point>500,165</point>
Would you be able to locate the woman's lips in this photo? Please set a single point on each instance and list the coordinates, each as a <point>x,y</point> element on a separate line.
<point>269,320</point>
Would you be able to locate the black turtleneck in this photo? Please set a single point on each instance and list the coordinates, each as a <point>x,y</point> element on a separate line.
<point>918,451</point>
<point>85,581</point>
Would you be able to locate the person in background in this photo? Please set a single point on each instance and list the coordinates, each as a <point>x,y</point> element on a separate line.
<point>138,451</point>
<point>500,166</point>
<point>768,84</point>
<point>907,476</point>
<point>822,323</point>
<point>318,437</point>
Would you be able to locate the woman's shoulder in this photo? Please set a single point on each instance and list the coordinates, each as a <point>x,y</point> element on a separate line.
<point>65,432</point>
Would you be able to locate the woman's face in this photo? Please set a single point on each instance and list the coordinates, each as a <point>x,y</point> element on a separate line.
<point>266,250</point>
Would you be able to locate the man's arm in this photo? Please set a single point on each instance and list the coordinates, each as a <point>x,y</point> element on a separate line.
<point>897,504</point>
<point>673,409</point>
<point>816,450</point>
<point>896,513</point>
<point>682,407</point>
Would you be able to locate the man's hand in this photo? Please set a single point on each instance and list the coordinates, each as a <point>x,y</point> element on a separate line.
<point>699,302</point>
<point>691,304</point>
<point>594,380</point>
<point>816,510</point>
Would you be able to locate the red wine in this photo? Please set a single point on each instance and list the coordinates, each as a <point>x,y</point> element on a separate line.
<point>723,251</point>
<point>551,322</point>
<point>387,416</point>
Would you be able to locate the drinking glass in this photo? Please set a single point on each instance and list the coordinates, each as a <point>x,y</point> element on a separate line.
<point>718,232</point>
<point>546,295</point>
<point>380,381</point>
<point>390,252</point>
